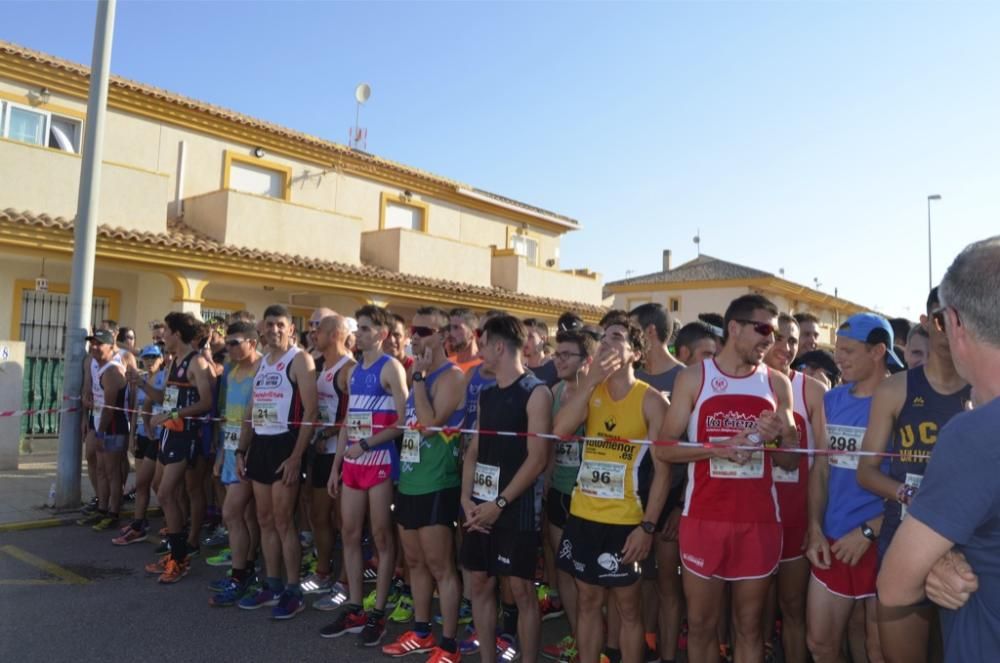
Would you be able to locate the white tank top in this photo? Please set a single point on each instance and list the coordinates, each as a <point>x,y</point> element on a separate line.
<point>275,398</point>
<point>329,400</point>
<point>96,389</point>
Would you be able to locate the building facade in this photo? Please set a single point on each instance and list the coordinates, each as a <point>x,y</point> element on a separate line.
<point>207,210</point>
<point>708,285</point>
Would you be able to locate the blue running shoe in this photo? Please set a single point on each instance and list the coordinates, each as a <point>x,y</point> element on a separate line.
<point>263,597</point>
<point>234,592</point>
<point>470,644</point>
<point>290,603</point>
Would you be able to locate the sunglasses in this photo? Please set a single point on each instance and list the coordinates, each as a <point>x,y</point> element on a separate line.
<point>233,342</point>
<point>313,324</point>
<point>423,332</point>
<point>762,328</point>
<point>938,317</point>
<point>563,356</point>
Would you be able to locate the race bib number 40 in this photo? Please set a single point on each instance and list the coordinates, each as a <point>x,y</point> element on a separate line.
<point>410,452</point>
<point>486,482</point>
<point>359,426</point>
<point>602,480</point>
<point>845,438</point>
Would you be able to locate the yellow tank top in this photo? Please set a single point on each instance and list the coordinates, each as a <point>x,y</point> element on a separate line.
<point>607,486</point>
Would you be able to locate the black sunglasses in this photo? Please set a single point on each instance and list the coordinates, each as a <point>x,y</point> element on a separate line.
<point>233,342</point>
<point>938,317</point>
<point>423,332</point>
<point>762,328</point>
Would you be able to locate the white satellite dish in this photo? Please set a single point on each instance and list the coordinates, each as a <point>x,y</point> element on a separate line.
<point>363,92</point>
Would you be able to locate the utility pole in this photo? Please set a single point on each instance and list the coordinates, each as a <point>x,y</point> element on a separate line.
<point>84,248</point>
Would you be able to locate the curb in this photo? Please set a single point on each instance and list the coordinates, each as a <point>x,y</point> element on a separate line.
<point>45,523</point>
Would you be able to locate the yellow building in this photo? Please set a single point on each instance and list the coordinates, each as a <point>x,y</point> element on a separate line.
<point>708,285</point>
<point>207,210</point>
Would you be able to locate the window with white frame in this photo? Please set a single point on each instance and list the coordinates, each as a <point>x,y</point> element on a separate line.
<point>525,246</point>
<point>403,216</point>
<point>38,127</point>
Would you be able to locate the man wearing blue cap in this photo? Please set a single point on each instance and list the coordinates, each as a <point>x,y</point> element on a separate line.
<point>844,518</point>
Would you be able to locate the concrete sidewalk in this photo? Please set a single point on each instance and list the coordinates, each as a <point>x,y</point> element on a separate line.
<point>24,492</point>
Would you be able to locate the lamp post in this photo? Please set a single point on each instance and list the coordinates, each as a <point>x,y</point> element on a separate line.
<point>930,282</point>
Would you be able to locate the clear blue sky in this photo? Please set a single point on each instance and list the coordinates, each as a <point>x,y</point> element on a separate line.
<point>800,135</point>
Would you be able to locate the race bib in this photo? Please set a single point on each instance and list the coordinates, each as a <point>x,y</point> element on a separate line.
<point>359,426</point>
<point>911,480</point>
<point>324,414</point>
<point>486,482</point>
<point>170,398</point>
<point>231,437</point>
<point>265,414</point>
<point>845,438</point>
<point>568,454</point>
<point>781,475</point>
<point>602,479</point>
<point>410,452</point>
<point>721,468</point>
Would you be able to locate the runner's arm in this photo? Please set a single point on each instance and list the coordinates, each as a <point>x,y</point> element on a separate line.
<point>435,409</point>
<point>913,552</point>
<point>394,380</point>
<point>789,435</point>
<point>573,412</point>
<point>654,409</point>
<point>886,405</point>
<point>819,477</point>
<point>675,423</point>
<point>112,382</point>
<point>338,458</point>
<point>469,471</point>
<point>204,381</point>
<point>303,371</point>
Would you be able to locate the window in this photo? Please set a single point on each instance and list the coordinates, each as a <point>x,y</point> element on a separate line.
<point>251,175</point>
<point>37,127</point>
<point>525,246</point>
<point>401,211</point>
<point>674,304</point>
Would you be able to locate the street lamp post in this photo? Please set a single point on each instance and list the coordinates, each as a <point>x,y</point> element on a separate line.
<point>930,277</point>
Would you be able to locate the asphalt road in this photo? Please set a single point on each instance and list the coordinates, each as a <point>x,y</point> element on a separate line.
<point>67,594</point>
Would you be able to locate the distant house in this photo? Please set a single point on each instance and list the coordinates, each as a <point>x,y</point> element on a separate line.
<point>707,285</point>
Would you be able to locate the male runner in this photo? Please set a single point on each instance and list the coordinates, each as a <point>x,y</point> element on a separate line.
<point>186,396</point>
<point>272,444</point>
<point>534,351</point>
<point>111,428</point>
<point>731,530</point>
<point>332,368</point>
<point>609,533</point>
<point>395,342</point>
<point>463,326</point>
<point>429,489</point>
<point>238,510</point>
<point>315,318</point>
<point>917,346</point>
<point>793,491</point>
<point>501,490</point>
<point>808,332</point>
<point>367,460</point>
<point>575,350</point>
<point>909,409</point>
<point>955,511</point>
<point>696,342</point>
<point>844,518</point>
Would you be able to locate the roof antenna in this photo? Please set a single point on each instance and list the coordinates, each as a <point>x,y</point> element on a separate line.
<point>697,241</point>
<point>359,136</point>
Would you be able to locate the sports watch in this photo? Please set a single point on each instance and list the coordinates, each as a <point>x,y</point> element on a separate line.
<point>867,532</point>
<point>364,445</point>
<point>648,527</point>
<point>501,502</point>
<point>418,376</point>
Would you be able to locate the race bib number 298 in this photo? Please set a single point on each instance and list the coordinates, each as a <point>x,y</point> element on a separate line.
<point>845,438</point>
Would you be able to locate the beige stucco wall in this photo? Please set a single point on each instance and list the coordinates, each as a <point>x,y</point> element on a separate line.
<point>259,222</point>
<point>46,180</point>
<point>512,272</point>
<point>411,252</point>
<point>692,301</point>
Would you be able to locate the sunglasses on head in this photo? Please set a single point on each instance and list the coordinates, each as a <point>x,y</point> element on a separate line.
<point>762,328</point>
<point>423,332</point>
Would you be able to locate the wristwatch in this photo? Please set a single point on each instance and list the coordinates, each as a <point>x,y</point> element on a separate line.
<point>240,452</point>
<point>648,527</point>
<point>364,445</point>
<point>175,414</point>
<point>867,532</point>
<point>418,376</point>
<point>501,502</point>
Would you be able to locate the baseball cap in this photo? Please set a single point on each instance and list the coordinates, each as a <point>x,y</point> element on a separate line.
<point>352,325</point>
<point>101,337</point>
<point>871,328</point>
<point>151,350</point>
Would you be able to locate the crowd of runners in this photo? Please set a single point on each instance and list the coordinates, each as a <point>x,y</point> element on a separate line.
<point>727,487</point>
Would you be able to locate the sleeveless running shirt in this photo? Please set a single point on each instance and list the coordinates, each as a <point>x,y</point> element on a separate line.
<point>370,410</point>
<point>607,488</point>
<point>429,462</point>
<point>119,418</point>
<point>237,399</point>
<point>719,489</point>
<point>277,406</point>
<point>499,458</point>
<point>848,505</point>
<point>179,392</point>
<point>793,485</point>
<point>924,413</point>
<point>332,401</point>
<point>567,460</point>
<point>96,390</point>
<point>664,383</point>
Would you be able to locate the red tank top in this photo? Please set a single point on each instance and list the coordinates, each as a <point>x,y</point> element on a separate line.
<point>719,489</point>
<point>793,486</point>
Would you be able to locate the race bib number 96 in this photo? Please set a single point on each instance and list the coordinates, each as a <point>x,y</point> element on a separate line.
<point>602,480</point>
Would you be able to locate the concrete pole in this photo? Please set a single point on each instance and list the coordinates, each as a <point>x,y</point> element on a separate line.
<point>84,247</point>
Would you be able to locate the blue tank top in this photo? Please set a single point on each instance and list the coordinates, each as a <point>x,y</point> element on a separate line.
<point>140,399</point>
<point>848,505</point>
<point>370,409</point>
<point>924,413</point>
<point>476,384</point>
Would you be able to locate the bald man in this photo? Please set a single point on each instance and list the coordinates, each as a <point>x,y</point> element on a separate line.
<point>331,390</point>
<point>317,316</point>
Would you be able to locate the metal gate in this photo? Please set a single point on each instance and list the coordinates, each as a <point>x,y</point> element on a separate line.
<point>43,330</point>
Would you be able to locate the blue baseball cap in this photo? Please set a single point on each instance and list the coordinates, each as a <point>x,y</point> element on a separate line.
<point>871,328</point>
<point>151,350</point>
